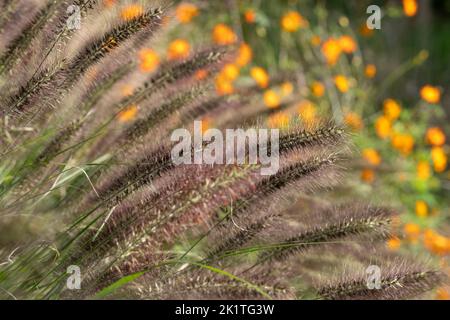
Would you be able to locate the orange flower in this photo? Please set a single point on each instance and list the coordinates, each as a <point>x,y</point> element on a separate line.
<point>250,16</point>
<point>331,50</point>
<point>131,11</point>
<point>287,88</point>
<point>394,243</point>
<point>403,143</point>
<point>109,3</point>
<point>223,86</point>
<point>365,31</point>
<point>367,175</point>
<point>245,55</point>
<point>391,109</point>
<point>370,71</point>
<point>371,156</point>
<point>439,159</point>
<point>341,83</point>
<point>410,7</point>
<point>423,170</point>
<point>271,99</point>
<point>127,90</point>
<point>442,294</point>
<point>435,136</point>
<point>230,72</point>
<point>383,127</point>
<point>292,21</point>
<point>201,74</point>
<point>278,120</point>
<point>128,114</point>
<point>436,243</point>
<point>430,94</point>
<point>178,49</point>
<point>315,40</point>
<point>206,124</point>
<point>185,12</point>
<point>260,76</point>
<point>149,60</point>
<point>353,120</point>
<point>347,44</point>
<point>421,208</point>
<point>317,89</point>
<point>307,111</point>
<point>412,231</point>
<point>223,34</point>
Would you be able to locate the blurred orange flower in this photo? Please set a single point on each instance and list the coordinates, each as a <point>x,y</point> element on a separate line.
<point>367,175</point>
<point>278,120</point>
<point>317,89</point>
<point>421,208</point>
<point>347,44</point>
<point>371,156</point>
<point>331,50</point>
<point>223,34</point>
<point>271,99</point>
<point>178,49</point>
<point>287,88</point>
<point>185,12</point>
<point>353,120</point>
<point>245,55</point>
<point>149,60</point>
<point>403,143</point>
<point>383,127</point>
<point>365,31</point>
<point>442,294</point>
<point>410,7</point>
<point>109,3</point>
<point>223,86</point>
<point>412,231</point>
<point>131,11</point>
<point>439,159</point>
<point>128,114</point>
<point>370,71</point>
<point>430,94</point>
<point>260,76</point>
<point>436,243</point>
<point>423,170</point>
<point>249,16</point>
<point>341,83</point>
<point>315,40</point>
<point>201,74</point>
<point>292,21</point>
<point>307,111</point>
<point>435,136</point>
<point>391,109</point>
<point>394,243</point>
<point>230,72</point>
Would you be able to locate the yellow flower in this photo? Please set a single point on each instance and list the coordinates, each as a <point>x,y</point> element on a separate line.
<point>318,89</point>
<point>287,88</point>
<point>149,60</point>
<point>367,175</point>
<point>307,111</point>
<point>423,170</point>
<point>185,12</point>
<point>347,44</point>
<point>128,114</point>
<point>331,50</point>
<point>271,99</point>
<point>370,71</point>
<point>230,72</point>
<point>439,159</point>
<point>435,136</point>
<point>292,21</point>
<point>394,243</point>
<point>249,16</point>
<point>410,7</point>
<point>223,86</point>
<point>341,83</point>
<point>245,55</point>
<point>430,94</point>
<point>131,11</point>
<point>315,40</point>
<point>412,231</point>
<point>383,127</point>
<point>421,208</point>
<point>223,34</point>
<point>371,156</point>
<point>353,120</point>
<point>260,76</point>
<point>391,109</point>
<point>279,120</point>
<point>403,143</point>
<point>436,243</point>
<point>178,49</point>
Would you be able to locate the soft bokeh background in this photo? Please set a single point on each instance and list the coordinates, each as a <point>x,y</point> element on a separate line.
<point>317,59</point>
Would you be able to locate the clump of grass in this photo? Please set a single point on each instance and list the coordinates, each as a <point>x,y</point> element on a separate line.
<point>120,208</point>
